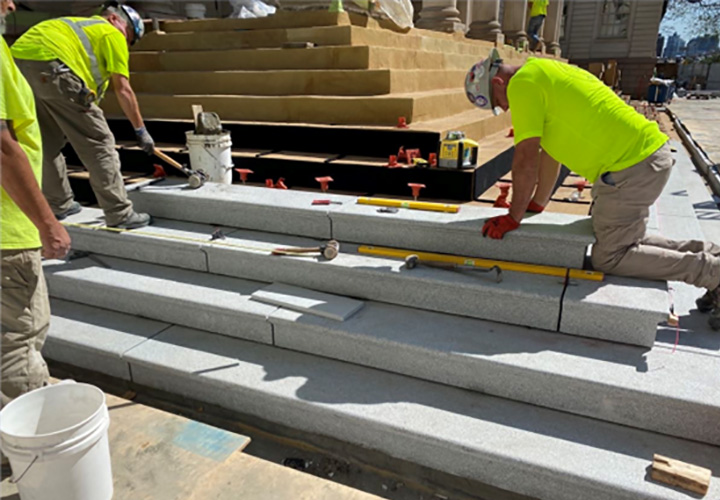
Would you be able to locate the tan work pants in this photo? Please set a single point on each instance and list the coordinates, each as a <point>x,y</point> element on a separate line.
<point>621,206</point>
<point>25,318</point>
<point>63,118</point>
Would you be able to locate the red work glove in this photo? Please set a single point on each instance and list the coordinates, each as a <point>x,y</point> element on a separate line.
<point>498,226</point>
<point>535,208</point>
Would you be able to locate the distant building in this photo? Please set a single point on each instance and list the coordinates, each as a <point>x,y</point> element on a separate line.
<point>674,47</point>
<point>701,45</point>
<point>660,45</point>
<point>625,31</point>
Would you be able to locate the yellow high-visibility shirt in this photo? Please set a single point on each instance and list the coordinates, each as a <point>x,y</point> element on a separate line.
<point>17,106</point>
<point>56,39</point>
<point>580,121</point>
<point>539,8</point>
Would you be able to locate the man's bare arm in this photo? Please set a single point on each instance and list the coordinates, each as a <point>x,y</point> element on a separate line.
<point>20,184</point>
<point>127,99</point>
<point>524,175</point>
<point>547,177</point>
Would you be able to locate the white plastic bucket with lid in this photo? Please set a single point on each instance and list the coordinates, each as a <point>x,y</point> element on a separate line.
<point>195,10</point>
<point>212,155</point>
<point>57,443</point>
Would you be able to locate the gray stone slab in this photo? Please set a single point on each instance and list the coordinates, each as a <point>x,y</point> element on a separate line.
<point>246,254</point>
<point>547,238</point>
<point>522,448</point>
<point>259,208</point>
<point>308,301</point>
<point>387,280</point>
<point>95,339</point>
<point>616,309</point>
<point>653,390</point>
<point>189,298</point>
<point>152,244</point>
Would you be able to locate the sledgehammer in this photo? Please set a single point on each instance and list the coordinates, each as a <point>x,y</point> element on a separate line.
<point>195,179</point>
<point>329,250</point>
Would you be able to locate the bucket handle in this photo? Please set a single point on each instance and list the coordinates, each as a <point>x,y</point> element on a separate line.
<point>92,436</point>
<point>15,481</point>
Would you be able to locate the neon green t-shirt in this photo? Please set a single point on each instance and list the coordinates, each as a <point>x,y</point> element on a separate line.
<point>580,121</point>
<point>55,39</point>
<point>17,105</point>
<point>539,8</point>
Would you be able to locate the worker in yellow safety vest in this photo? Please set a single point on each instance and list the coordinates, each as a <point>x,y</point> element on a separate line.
<point>28,229</point>
<point>564,114</point>
<point>538,12</point>
<point>69,62</point>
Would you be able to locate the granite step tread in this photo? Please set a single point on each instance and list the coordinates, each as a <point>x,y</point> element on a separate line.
<point>621,383</point>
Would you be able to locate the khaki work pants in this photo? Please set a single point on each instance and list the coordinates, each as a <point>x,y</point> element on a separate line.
<point>25,318</point>
<point>63,118</point>
<point>621,206</point>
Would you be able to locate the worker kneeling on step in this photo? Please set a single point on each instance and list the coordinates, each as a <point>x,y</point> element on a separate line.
<point>563,114</point>
<point>68,62</point>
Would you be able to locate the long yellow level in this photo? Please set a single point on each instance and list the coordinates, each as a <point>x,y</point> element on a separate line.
<point>415,205</point>
<point>485,263</point>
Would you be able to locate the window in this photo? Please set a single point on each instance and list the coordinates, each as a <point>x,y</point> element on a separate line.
<point>614,18</point>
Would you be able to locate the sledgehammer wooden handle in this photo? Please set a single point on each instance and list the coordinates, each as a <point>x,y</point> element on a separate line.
<point>169,160</point>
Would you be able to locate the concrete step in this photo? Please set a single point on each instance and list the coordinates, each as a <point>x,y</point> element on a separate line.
<point>381,110</point>
<point>518,447</point>
<point>338,57</point>
<point>319,35</point>
<point>193,299</point>
<point>281,19</point>
<point>296,82</point>
<point>405,339</point>
<point>548,238</point>
<point>616,309</point>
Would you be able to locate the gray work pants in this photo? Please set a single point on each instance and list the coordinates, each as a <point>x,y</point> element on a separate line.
<point>25,317</point>
<point>63,118</point>
<point>621,206</point>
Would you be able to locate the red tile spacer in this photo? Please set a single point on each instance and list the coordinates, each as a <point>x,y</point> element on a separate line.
<point>269,183</point>
<point>410,154</point>
<point>415,189</point>
<point>243,172</point>
<point>159,172</point>
<point>581,185</point>
<point>402,156</point>
<point>402,122</point>
<point>280,184</point>
<point>511,132</point>
<point>324,181</point>
<point>432,159</point>
<point>392,161</point>
<point>501,201</point>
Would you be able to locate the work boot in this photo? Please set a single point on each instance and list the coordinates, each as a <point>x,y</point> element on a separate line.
<point>714,319</point>
<point>134,221</point>
<point>75,208</point>
<point>706,303</point>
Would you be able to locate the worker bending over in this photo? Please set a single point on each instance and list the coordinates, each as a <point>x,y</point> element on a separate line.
<point>26,225</point>
<point>563,114</point>
<point>68,62</point>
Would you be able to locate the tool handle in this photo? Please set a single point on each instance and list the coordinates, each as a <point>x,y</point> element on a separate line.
<point>169,160</point>
<point>297,250</point>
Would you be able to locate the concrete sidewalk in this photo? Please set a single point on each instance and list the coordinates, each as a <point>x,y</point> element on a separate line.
<point>702,119</point>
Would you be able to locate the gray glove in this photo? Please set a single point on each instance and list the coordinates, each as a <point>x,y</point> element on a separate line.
<point>145,141</point>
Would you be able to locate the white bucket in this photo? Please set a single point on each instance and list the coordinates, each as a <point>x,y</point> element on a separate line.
<point>57,443</point>
<point>195,10</point>
<point>212,155</point>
